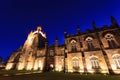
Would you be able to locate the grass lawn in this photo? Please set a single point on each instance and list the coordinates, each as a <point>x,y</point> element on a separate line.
<point>60,76</point>
<point>15,71</point>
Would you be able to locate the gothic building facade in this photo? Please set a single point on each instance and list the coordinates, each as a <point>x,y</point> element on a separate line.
<point>94,51</point>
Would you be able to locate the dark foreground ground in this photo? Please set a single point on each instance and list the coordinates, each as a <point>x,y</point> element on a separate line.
<point>59,76</point>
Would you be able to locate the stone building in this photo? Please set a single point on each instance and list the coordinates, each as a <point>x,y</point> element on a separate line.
<point>94,51</point>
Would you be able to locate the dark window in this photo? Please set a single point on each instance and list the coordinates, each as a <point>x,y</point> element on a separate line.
<point>89,41</point>
<point>51,53</point>
<point>73,46</point>
<point>110,41</point>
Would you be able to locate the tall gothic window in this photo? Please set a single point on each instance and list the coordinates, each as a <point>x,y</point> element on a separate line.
<point>62,63</point>
<point>94,62</point>
<point>75,63</point>
<point>116,59</point>
<point>62,52</point>
<point>73,46</point>
<point>17,58</point>
<point>110,40</point>
<point>40,65</point>
<point>51,53</point>
<point>89,41</point>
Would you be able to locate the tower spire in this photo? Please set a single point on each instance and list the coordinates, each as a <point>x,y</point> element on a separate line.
<point>56,41</point>
<point>65,32</point>
<point>114,22</point>
<point>39,28</point>
<point>94,25</point>
<point>78,29</point>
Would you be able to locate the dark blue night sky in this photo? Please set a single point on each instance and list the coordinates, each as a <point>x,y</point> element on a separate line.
<point>19,17</point>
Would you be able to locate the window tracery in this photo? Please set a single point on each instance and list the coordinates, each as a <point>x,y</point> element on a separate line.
<point>110,39</point>
<point>116,59</point>
<point>94,62</point>
<point>73,46</point>
<point>89,41</point>
<point>75,63</point>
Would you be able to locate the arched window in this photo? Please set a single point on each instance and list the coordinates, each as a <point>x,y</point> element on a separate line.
<point>110,39</point>
<point>94,62</point>
<point>40,65</point>
<point>51,53</point>
<point>62,52</point>
<point>75,63</point>
<point>62,63</point>
<point>89,41</point>
<point>116,59</point>
<point>16,59</point>
<point>73,46</point>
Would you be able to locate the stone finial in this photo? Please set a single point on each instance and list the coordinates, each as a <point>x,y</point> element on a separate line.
<point>65,32</point>
<point>78,29</point>
<point>94,25</point>
<point>39,28</point>
<point>113,21</point>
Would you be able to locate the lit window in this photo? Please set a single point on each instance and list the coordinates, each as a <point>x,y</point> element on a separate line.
<point>62,61</point>
<point>75,63</point>
<point>116,59</point>
<point>94,62</point>
<point>40,65</point>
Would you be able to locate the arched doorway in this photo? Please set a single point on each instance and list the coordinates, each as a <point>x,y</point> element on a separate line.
<point>51,67</point>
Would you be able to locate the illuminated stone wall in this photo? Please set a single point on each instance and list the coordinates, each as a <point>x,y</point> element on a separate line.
<point>59,63</point>
<point>70,62</point>
<point>96,51</point>
<point>102,64</point>
<point>29,57</point>
<point>111,54</point>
